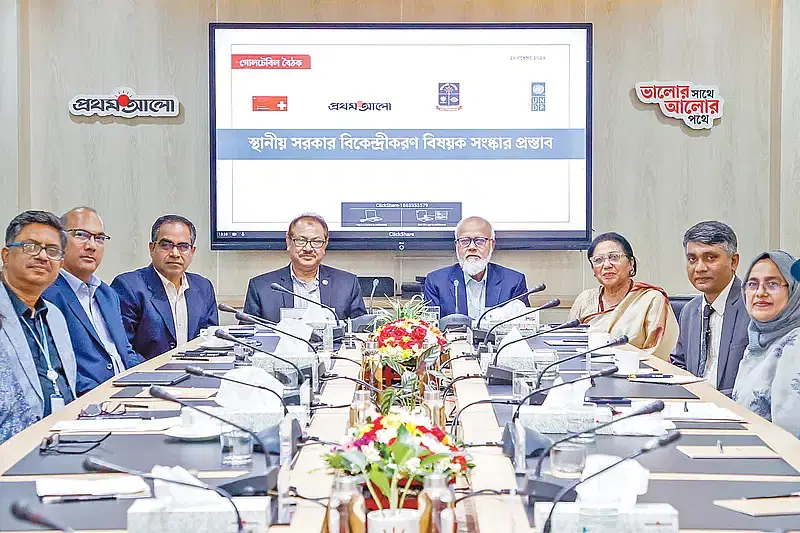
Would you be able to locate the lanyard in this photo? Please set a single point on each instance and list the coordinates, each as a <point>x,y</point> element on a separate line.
<point>52,375</point>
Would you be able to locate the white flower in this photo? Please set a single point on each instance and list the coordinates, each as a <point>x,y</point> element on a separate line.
<point>371,453</point>
<point>385,435</point>
<point>433,444</point>
<point>412,465</point>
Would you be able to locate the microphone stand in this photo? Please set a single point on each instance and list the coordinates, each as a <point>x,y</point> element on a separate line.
<point>93,464</point>
<point>375,284</point>
<point>280,288</point>
<point>197,371</point>
<point>654,444</point>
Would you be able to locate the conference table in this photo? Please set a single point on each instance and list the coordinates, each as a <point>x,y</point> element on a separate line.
<point>690,486</point>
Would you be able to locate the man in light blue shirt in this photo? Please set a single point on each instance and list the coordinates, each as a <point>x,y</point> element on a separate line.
<point>90,307</point>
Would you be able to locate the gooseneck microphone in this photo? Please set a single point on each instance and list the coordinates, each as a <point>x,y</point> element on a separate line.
<point>244,317</point>
<point>455,286</point>
<point>23,511</point>
<point>649,446</point>
<point>93,464</point>
<point>538,288</point>
<point>277,287</point>
<point>622,339</point>
<point>555,302</point>
<point>565,325</point>
<point>613,369</point>
<point>258,484</point>
<point>228,337</point>
<point>375,283</point>
<point>197,371</point>
<point>652,407</point>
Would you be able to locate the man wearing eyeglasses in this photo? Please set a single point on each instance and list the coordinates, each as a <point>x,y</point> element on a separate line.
<point>36,343</point>
<point>306,241</point>
<point>163,306</point>
<point>713,326</point>
<point>475,283</point>
<point>90,306</point>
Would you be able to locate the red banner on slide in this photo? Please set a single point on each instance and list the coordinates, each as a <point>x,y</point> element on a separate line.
<point>271,61</point>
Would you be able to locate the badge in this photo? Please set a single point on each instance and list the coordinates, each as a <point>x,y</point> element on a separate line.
<point>52,375</point>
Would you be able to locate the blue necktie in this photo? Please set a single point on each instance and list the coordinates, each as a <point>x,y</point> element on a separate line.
<point>705,339</point>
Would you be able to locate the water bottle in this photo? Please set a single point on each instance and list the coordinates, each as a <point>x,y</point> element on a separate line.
<point>361,409</point>
<point>437,505</point>
<point>347,512</point>
<point>520,457</point>
<point>433,405</point>
<point>286,440</point>
<point>327,337</point>
<point>284,501</point>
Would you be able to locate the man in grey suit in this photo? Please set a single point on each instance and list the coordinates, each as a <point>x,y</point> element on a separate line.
<point>306,242</point>
<point>34,336</point>
<point>713,333</point>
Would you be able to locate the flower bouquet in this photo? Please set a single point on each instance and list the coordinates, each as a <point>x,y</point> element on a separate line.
<point>393,453</point>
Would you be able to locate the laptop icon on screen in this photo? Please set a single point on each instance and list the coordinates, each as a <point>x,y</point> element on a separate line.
<point>371,215</point>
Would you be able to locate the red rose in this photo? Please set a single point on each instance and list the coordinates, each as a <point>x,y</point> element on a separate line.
<point>418,333</point>
<point>438,433</point>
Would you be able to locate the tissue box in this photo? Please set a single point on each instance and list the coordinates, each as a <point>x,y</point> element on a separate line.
<point>151,516</point>
<point>253,419</point>
<point>546,419</point>
<point>642,518</point>
<point>270,364</point>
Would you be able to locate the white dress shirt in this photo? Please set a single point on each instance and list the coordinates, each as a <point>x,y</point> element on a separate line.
<point>177,302</point>
<point>476,295</point>
<point>715,323</point>
<point>85,293</point>
<point>308,289</point>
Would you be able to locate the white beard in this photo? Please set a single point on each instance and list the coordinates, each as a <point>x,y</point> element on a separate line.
<point>473,267</point>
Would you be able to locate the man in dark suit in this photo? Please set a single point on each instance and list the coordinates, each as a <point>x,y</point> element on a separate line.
<point>90,307</point>
<point>475,283</point>
<point>713,334</point>
<point>306,242</point>
<point>163,306</point>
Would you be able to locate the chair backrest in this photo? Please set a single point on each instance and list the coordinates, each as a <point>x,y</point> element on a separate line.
<point>678,302</point>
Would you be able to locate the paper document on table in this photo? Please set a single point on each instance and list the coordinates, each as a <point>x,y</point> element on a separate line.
<point>728,452</point>
<point>113,425</point>
<point>699,411</point>
<point>132,486</point>
<point>673,380</point>
<point>789,505</point>
<point>183,393</point>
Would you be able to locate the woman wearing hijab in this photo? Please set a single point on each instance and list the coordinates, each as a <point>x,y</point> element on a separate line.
<point>15,412</point>
<point>622,306</point>
<point>768,382</point>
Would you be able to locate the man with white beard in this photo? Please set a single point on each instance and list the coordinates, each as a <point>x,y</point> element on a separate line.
<point>474,284</point>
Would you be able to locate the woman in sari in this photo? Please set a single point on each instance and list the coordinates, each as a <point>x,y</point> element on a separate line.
<point>621,306</point>
<point>768,382</point>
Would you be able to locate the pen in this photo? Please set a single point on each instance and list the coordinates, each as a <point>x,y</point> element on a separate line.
<point>136,406</point>
<point>652,375</point>
<point>790,495</point>
<point>719,445</point>
<point>191,358</point>
<point>77,498</point>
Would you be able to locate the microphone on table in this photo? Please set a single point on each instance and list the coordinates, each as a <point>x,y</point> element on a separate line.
<point>622,339</point>
<point>222,334</point>
<point>252,485</point>
<point>652,407</point>
<point>244,317</point>
<point>277,287</point>
<point>23,511</point>
<point>651,445</point>
<point>197,371</point>
<point>375,283</point>
<point>538,288</point>
<point>93,464</point>
<point>503,375</point>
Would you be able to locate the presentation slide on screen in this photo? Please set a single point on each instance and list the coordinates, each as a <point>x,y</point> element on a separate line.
<point>399,133</point>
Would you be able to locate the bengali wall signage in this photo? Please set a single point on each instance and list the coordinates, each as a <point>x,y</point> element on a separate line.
<point>696,105</point>
<point>124,102</point>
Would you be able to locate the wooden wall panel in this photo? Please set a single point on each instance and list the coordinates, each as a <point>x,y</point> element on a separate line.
<point>9,110</point>
<point>790,130</point>
<point>652,177</point>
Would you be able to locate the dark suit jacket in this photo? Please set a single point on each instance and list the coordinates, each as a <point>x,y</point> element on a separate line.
<point>501,284</point>
<point>94,361</point>
<point>337,289</point>
<point>148,317</point>
<point>732,342</point>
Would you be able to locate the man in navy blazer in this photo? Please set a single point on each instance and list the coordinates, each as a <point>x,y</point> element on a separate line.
<point>306,242</point>
<point>474,284</point>
<point>163,306</point>
<point>713,334</point>
<point>90,307</point>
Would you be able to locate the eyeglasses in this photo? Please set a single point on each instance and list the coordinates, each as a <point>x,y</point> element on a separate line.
<point>301,242</point>
<point>52,443</point>
<point>771,286</point>
<point>53,252</point>
<point>166,245</point>
<point>614,258</point>
<point>465,242</point>
<point>84,236</point>
<point>102,409</point>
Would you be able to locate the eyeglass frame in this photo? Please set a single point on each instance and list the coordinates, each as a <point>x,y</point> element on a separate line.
<point>102,235</point>
<point>473,240</point>
<point>51,442</point>
<point>607,258</point>
<point>777,286</point>
<point>119,409</point>
<point>45,247</point>
<point>160,245</point>
<point>320,243</point>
